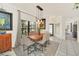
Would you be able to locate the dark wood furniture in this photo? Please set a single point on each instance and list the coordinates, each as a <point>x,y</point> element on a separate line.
<point>5,42</point>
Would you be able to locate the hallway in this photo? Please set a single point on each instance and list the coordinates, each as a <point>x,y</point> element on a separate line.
<point>68,47</point>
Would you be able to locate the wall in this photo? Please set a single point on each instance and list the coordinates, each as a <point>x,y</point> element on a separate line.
<point>73,20</point>
<point>59,21</point>
<point>58,26</point>
<point>77,19</point>
<point>13,9</point>
<point>69,21</point>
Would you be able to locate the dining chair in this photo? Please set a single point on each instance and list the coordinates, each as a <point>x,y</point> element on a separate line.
<point>27,45</point>
<point>45,41</point>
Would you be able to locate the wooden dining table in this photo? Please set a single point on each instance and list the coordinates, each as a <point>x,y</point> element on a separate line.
<point>35,37</point>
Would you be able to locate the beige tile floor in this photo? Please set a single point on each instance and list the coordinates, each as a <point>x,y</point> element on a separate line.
<point>50,50</point>
<point>8,53</point>
<point>68,47</point>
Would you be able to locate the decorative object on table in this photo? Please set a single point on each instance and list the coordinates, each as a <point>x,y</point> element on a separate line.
<point>5,20</point>
<point>2,32</point>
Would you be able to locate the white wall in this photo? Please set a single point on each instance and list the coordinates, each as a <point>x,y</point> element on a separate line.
<point>78,30</point>
<point>59,21</point>
<point>58,26</point>
<point>13,9</point>
<point>73,20</point>
<point>27,17</point>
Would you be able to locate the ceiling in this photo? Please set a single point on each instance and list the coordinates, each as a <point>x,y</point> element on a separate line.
<point>50,9</point>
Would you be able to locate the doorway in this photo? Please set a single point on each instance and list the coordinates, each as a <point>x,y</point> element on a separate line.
<point>51,29</point>
<point>71,31</point>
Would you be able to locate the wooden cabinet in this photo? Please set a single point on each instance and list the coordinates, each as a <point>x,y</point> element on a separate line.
<point>5,42</point>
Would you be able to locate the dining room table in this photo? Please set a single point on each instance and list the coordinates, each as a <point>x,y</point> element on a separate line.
<point>35,37</point>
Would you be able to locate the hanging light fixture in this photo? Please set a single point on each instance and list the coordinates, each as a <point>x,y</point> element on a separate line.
<point>40,16</point>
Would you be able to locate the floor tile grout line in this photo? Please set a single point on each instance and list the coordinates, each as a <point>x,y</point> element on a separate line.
<point>58,48</point>
<point>74,49</point>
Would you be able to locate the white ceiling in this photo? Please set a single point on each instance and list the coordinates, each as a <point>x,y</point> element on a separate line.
<point>50,9</point>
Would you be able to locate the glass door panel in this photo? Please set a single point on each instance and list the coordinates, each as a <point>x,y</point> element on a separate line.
<point>32,26</point>
<point>24,27</point>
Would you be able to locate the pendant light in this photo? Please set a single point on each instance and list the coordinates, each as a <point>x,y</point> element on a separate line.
<point>40,16</point>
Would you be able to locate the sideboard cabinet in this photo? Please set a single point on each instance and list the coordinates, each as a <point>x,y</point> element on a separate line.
<point>5,42</point>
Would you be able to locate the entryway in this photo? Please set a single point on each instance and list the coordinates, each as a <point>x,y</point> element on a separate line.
<point>71,31</point>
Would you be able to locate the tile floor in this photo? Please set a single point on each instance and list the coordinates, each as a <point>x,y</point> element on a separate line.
<point>8,53</point>
<point>68,47</point>
<point>50,50</point>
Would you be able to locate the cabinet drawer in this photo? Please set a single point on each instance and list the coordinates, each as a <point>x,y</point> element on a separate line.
<point>1,45</point>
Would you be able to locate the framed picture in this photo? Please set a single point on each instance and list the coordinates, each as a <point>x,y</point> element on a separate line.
<point>42,23</point>
<point>5,20</point>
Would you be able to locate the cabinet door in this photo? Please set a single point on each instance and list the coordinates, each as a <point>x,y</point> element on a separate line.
<point>5,42</point>
<point>1,44</point>
<point>8,42</point>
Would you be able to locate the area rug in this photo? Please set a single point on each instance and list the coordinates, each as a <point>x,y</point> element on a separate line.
<point>50,50</point>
